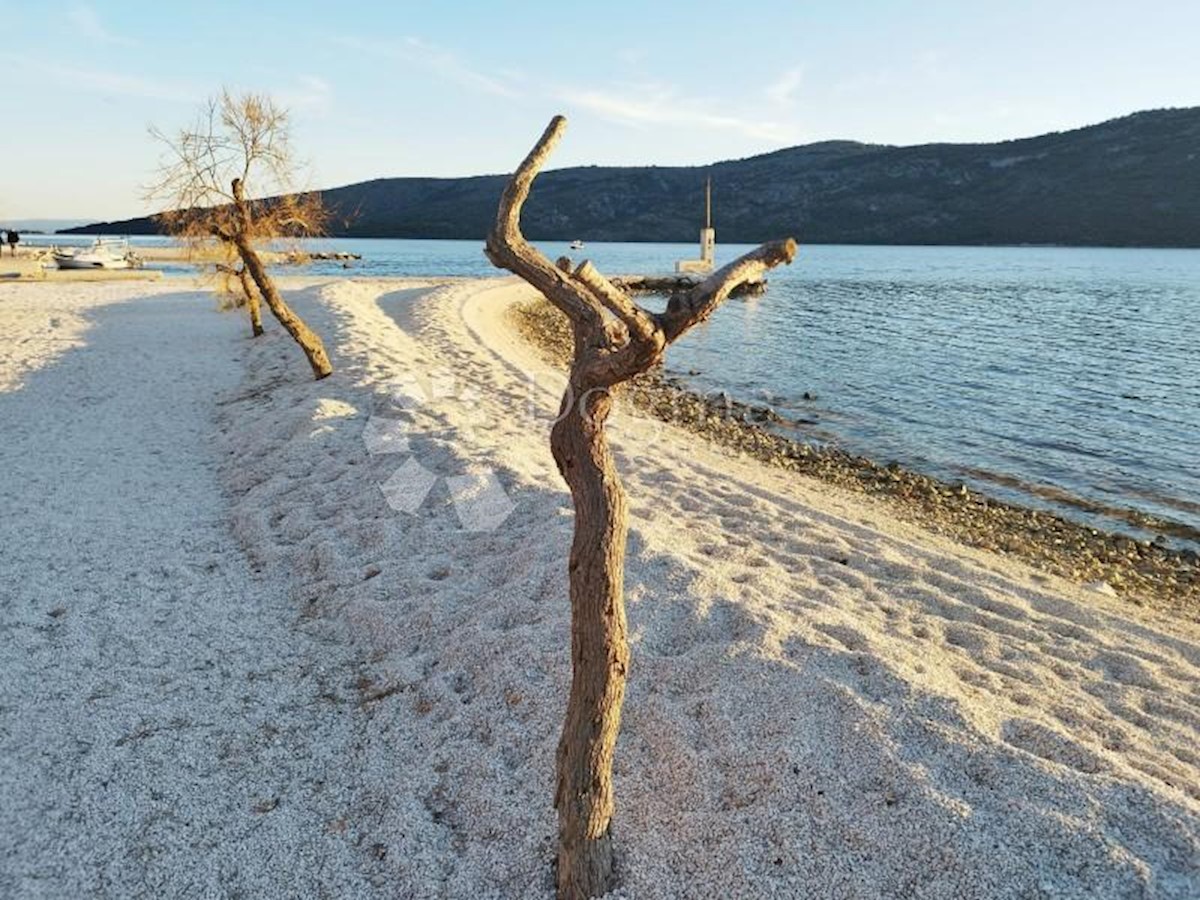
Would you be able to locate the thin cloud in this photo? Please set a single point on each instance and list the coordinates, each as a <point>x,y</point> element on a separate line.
<point>437,60</point>
<point>84,21</point>
<point>98,81</point>
<point>309,93</point>
<point>782,91</point>
<point>644,105</point>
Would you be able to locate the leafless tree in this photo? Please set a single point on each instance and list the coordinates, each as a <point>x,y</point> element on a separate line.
<point>614,340</point>
<point>229,179</point>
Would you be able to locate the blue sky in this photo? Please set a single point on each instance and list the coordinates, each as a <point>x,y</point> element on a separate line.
<point>464,88</point>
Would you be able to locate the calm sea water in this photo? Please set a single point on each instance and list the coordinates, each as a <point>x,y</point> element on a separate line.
<point>1061,378</point>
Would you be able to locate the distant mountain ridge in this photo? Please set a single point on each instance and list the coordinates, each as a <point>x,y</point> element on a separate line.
<point>1133,181</point>
<point>41,226</point>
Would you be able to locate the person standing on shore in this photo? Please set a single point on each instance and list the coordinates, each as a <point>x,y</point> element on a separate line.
<point>13,239</point>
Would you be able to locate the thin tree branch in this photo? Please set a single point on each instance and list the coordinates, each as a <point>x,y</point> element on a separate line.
<point>640,323</point>
<point>508,249</point>
<point>701,301</point>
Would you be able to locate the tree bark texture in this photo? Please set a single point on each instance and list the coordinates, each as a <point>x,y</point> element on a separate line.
<point>252,303</point>
<point>599,646</point>
<point>308,340</point>
<point>614,340</point>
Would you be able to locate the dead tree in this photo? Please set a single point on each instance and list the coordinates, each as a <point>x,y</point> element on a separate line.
<point>614,340</point>
<point>240,141</point>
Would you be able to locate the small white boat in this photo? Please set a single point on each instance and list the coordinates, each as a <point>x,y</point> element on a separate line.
<point>105,253</point>
<point>577,245</point>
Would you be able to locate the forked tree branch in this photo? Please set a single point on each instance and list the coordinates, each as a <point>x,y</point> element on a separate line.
<point>639,322</point>
<point>605,356</point>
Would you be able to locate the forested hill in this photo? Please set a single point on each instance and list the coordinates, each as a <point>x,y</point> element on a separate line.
<point>1130,181</point>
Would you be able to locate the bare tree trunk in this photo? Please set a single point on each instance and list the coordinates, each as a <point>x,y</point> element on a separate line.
<point>308,340</point>
<point>599,648</point>
<point>251,302</point>
<point>614,339</point>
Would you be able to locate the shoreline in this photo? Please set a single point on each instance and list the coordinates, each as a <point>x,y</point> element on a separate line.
<point>90,231</point>
<point>33,262</point>
<point>372,680</point>
<point>687,241</point>
<point>1141,571</point>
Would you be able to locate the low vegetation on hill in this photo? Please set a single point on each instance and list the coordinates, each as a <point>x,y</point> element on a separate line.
<point>1133,181</point>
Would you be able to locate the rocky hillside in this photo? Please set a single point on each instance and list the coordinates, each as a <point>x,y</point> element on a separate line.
<point>1132,181</point>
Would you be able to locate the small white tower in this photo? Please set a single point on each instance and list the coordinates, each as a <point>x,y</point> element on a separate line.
<point>708,234</point>
<point>708,240</point>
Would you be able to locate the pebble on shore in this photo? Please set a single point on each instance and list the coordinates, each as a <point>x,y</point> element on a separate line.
<point>1146,573</point>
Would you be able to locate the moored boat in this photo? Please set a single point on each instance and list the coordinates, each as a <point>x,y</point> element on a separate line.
<point>104,253</point>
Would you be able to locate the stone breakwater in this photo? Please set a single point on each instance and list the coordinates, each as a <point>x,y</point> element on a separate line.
<point>1142,572</point>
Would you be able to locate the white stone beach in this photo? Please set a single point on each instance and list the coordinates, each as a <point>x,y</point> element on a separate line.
<point>265,636</point>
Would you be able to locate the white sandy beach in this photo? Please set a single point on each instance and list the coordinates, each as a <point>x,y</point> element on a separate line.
<point>265,636</point>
